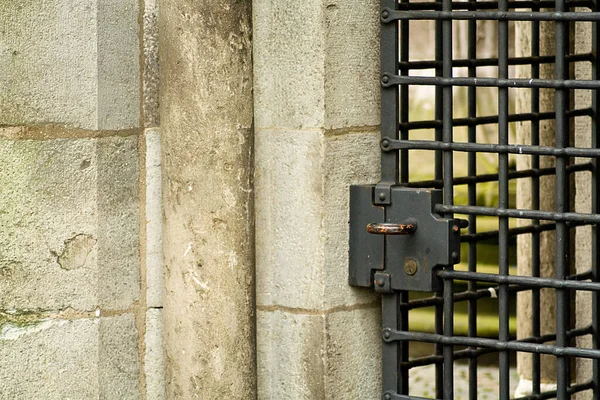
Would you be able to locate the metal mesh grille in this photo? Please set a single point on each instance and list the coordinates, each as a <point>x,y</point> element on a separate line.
<point>450,141</point>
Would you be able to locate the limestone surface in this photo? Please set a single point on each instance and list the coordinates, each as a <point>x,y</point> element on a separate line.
<point>61,359</point>
<point>77,60</point>
<point>69,218</point>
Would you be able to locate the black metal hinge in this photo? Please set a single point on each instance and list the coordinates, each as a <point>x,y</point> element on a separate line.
<point>399,245</point>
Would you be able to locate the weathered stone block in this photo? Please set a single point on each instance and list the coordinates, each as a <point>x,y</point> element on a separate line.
<point>69,218</point>
<point>316,64</point>
<point>353,349</point>
<point>61,359</point>
<point>285,371</point>
<point>289,217</point>
<point>359,154</point>
<point>151,64</point>
<point>289,64</point>
<point>154,253</point>
<point>154,360</point>
<point>351,44</point>
<point>335,355</point>
<point>69,62</point>
<point>302,214</point>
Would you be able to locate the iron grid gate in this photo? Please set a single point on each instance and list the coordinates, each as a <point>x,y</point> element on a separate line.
<point>406,235</point>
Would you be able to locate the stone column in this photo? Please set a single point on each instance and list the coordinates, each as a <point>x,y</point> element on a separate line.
<point>151,234</point>
<point>583,204</point>
<point>206,125</point>
<point>547,194</point>
<point>317,121</point>
<point>547,202</point>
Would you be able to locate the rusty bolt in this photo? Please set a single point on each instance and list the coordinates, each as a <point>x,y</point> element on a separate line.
<point>455,228</point>
<point>410,266</point>
<point>380,282</point>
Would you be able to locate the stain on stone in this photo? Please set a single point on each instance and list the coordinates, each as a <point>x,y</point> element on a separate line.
<point>85,164</point>
<point>7,268</point>
<point>76,252</point>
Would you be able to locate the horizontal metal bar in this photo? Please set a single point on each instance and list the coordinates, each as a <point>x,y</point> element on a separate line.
<point>576,388</point>
<point>479,294</point>
<point>492,62</point>
<point>389,15</point>
<point>388,80</point>
<point>458,355</point>
<point>493,119</point>
<point>571,334</point>
<point>458,297</point>
<point>390,335</point>
<point>583,276</point>
<point>525,281</point>
<point>388,144</point>
<point>391,395</point>
<point>471,353</point>
<point>525,173</point>
<point>488,5</point>
<point>522,230</point>
<point>519,213</point>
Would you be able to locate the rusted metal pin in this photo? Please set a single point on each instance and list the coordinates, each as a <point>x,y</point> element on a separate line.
<point>407,228</point>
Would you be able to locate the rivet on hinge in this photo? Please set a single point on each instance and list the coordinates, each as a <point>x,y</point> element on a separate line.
<point>383,194</point>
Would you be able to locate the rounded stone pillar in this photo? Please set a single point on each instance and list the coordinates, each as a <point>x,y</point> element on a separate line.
<point>547,202</point>
<point>206,118</point>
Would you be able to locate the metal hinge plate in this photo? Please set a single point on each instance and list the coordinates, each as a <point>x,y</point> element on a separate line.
<point>401,245</point>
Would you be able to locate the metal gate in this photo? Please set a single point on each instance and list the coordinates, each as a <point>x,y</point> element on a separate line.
<point>406,235</point>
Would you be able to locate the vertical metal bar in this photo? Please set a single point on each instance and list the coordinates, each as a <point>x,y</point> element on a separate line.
<point>391,352</point>
<point>439,107</point>
<point>562,204</point>
<point>535,205</point>
<point>404,100</point>
<point>404,384</point>
<point>596,206</point>
<point>447,137</point>
<point>389,95</point>
<point>404,177</point>
<point>472,199</point>
<point>439,95</point>
<point>503,294</point>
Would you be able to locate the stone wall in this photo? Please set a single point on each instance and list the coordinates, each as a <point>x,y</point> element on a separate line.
<point>316,73</point>
<point>82,218</point>
<point>79,176</point>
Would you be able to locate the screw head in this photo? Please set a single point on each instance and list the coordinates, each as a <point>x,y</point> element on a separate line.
<point>385,143</point>
<point>385,14</point>
<point>382,196</point>
<point>410,266</point>
<point>386,335</point>
<point>385,79</point>
<point>455,256</point>
<point>387,396</point>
